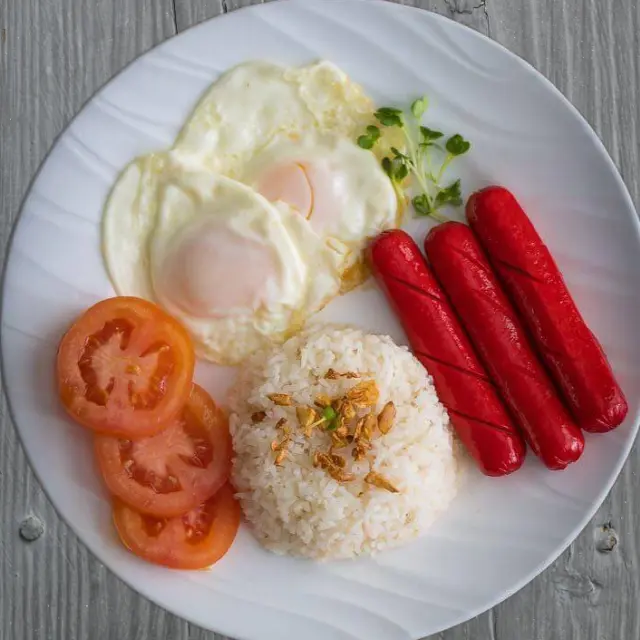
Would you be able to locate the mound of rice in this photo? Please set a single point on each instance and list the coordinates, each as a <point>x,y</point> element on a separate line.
<point>300,510</point>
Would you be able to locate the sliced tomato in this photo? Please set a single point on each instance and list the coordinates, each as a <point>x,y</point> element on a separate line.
<point>125,368</point>
<point>176,470</point>
<point>195,540</point>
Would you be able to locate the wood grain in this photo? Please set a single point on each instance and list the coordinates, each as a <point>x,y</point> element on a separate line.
<point>53,56</point>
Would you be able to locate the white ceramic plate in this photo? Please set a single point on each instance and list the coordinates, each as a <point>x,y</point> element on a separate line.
<point>500,533</point>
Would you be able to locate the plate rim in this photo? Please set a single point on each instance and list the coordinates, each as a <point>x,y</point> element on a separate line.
<point>528,68</point>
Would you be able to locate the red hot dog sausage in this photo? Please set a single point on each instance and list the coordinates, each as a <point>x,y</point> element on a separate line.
<point>534,283</point>
<point>466,276</point>
<point>440,343</point>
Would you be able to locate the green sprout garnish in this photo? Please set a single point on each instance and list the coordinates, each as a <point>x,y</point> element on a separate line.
<point>329,414</point>
<point>419,107</point>
<point>367,140</point>
<point>422,143</point>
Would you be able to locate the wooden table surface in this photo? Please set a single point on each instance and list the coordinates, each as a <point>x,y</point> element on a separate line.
<point>54,54</point>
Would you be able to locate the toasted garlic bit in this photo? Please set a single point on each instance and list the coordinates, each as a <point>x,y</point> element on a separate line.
<point>340,475</point>
<point>364,394</point>
<point>281,448</point>
<point>281,399</point>
<point>386,417</point>
<point>348,410</point>
<point>338,442</point>
<point>332,374</point>
<point>365,429</point>
<point>369,428</point>
<point>345,410</point>
<point>360,450</point>
<point>378,480</point>
<point>258,416</point>
<point>342,433</point>
<point>323,401</point>
<point>324,461</point>
<point>339,461</point>
<point>306,417</point>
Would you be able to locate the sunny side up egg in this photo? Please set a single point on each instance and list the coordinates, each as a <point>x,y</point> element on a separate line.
<point>290,134</point>
<point>257,217</point>
<point>236,270</point>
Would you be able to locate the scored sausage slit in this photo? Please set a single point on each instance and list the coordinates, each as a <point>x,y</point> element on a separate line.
<point>412,287</point>
<point>484,423</point>
<point>552,353</point>
<point>466,257</point>
<point>479,376</point>
<point>518,270</point>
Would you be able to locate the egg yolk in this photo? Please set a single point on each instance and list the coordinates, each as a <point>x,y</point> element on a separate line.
<point>288,183</point>
<point>312,190</point>
<point>214,271</point>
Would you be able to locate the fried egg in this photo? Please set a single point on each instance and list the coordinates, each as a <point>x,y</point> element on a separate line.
<point>331,182</point>
<point>256,102</point>
<point>235,269</point>
<point>259,214</point>
<point>290,134</point>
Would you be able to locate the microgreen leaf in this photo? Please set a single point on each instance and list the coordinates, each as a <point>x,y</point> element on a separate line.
<point>398,154</point>
<point>387,167</point>
<point>430,134</point>
<point>368,140</point>
<point>422,205</point>
<point>450,195</point>
<point>389,117</point>
<point>457,145</point>
<point>424,154</point>
<point>401,172</point>
<point>419,107</point>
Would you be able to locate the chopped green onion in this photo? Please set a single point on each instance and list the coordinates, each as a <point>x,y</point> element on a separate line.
<point>329,414</point>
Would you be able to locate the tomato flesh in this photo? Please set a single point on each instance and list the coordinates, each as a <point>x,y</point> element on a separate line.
<point>195,540</point>
<point>174,471</point>
<point>125,368</point>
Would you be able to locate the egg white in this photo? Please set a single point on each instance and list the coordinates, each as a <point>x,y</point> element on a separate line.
<point>256,116</point>
<point>350,180</point>
<point>255,102</point>
<point>157,200</point>
<point>259,115</point>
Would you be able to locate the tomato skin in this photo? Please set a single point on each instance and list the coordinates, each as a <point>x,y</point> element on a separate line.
<point>198,483</point>
<point>171,546</point>
<point>101,364</point>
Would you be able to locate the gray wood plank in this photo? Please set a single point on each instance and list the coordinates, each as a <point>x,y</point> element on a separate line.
<point>191,12</point>
<point>53,56</point>
<point>465,11</point>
